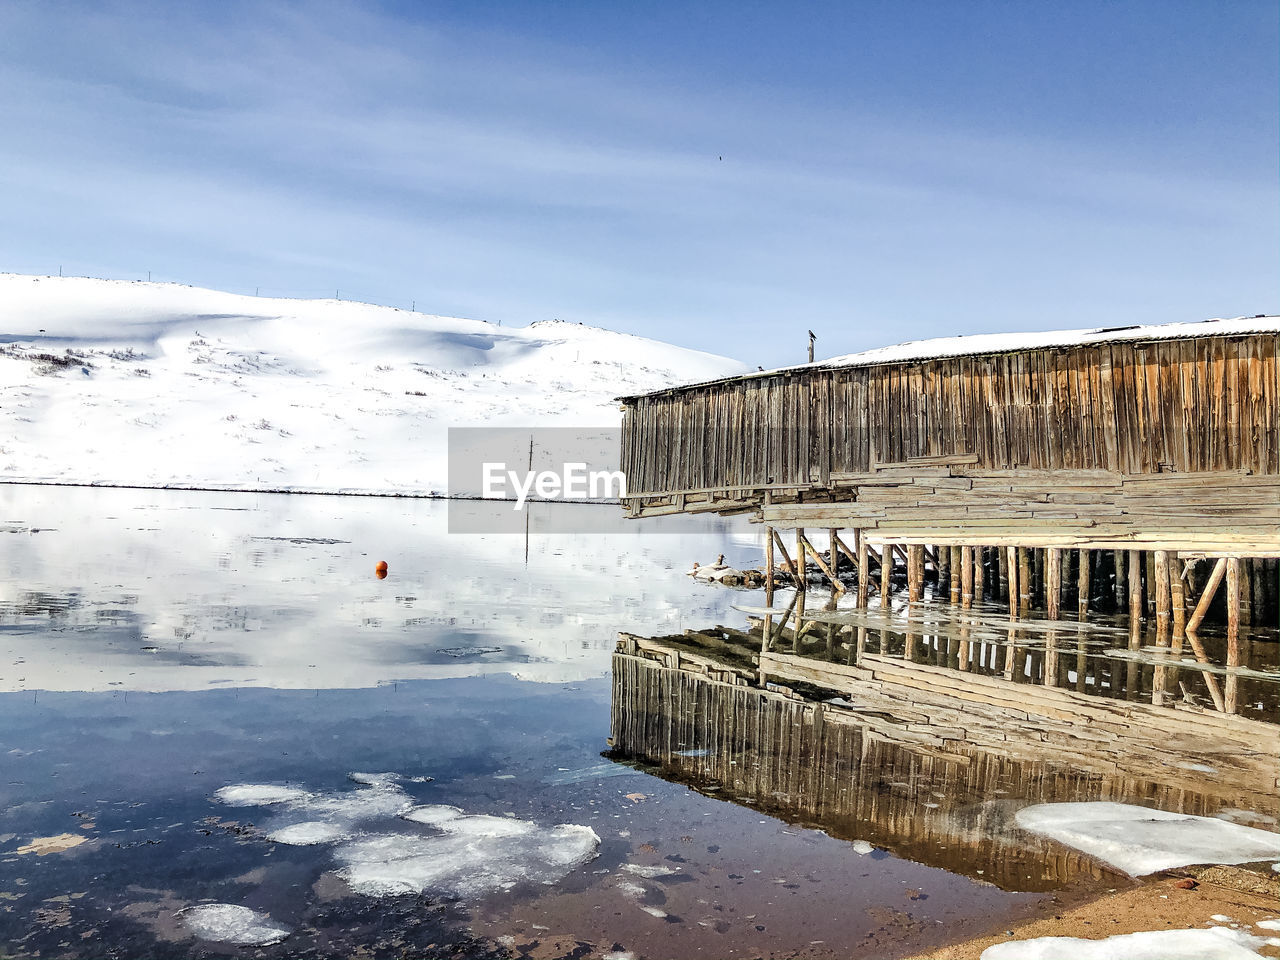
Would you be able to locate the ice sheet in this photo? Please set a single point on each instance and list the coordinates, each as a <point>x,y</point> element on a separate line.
<point>232,923</point>
<point>1216,943</point>
<point>1141,840</point>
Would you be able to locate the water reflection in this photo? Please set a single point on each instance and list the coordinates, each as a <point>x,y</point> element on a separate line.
<point>922,731</point>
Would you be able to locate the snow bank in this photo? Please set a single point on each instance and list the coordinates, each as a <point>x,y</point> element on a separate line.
<point>230,923</point>
<point>1140,840</point>
<point>1216,943</point>
<point>155,384</point>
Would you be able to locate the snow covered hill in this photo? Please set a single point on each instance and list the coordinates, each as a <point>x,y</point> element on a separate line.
<point>153,384</point>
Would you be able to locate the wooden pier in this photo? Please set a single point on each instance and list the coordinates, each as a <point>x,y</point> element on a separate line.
<point>1135,469</point>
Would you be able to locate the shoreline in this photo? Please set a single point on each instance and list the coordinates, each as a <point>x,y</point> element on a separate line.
<point>1153,904</point>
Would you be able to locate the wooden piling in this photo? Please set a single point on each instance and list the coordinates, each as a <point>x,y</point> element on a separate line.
<point>966,577</point>
<point>1082,585</point>
<point>1162,591</point>
<point>886,569</point>
<point>864,571</point>
<point>979,574</point>
<point>1011,572</point>
<point>1053,583</point>
<point>767,630</point>
<point>1135,586</point>
<point>1024,577</point>
<point>1230,688</point>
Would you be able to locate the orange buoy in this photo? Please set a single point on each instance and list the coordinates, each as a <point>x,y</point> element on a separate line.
<point>381,570</point>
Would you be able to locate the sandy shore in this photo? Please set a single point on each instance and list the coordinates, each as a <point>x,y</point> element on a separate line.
<point>1157,905</point>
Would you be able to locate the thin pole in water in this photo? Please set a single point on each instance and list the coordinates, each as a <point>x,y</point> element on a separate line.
<point>526,507</point>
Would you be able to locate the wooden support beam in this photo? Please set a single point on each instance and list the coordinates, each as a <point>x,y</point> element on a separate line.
<point>1053,584</point>
<point>1178,603</point>
<point>1135,586</point>
<point>1231,686</point>
<point>767,630</point>
<point>1162,592</point>
<point>1024,577</point>
<point>915,572</point>
<point>1121,584</point>
<point>1011,571</point>
<point>786,557</point>
<point>957,573</point>
<point>1083,586</point>
<point>834,562</point>
<point>886,569</point>
<point>966,580</point>
<point>1206,598</point>
<point>804,546</point>
<point>979,573</point>
<point>864,574</point>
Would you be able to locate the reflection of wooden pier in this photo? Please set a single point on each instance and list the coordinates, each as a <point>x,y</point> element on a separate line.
<point>901,755</point>
<point>1136,470</point>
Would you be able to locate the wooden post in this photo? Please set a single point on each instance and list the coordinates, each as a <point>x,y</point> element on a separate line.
<point>1053,591</point>
<point>864,571</point>
<point>834,562</point>
<point>1002,574</point>
<point>768,592</point>
<point>805,547</point>
<point>1135,586</point>
<point>1178,602</point>
<point>1024,578</point>
<point>886,569</point>
<point>979,573</point>
<point>1149,561</point>
<point>915,572</point>
<point>1011,571</point>
<point>966,577</point>
<point>1082,585</point>
<point>1122,585</point>
<point>801,564</point>
<point>957,574</point>
<point>1233,633</point>
<point>1206,598</point>
<point>1162,591</point>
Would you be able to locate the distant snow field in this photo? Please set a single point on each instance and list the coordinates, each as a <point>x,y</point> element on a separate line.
<point>153,384</point>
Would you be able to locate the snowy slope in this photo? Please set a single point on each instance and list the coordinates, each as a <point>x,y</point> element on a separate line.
<point>154,384</point>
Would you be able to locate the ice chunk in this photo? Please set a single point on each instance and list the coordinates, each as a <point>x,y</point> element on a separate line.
<point>309,832</point>
<point>649,873</point>
<point>1268,924</point>
<point>862,848</point>
<point>433,814</point>
<point>470,860</point>
<point>1217,943</point>
<point>258,794</point>
<point>231,923</point>
<point>1140,840</point>
<point>375,779</point>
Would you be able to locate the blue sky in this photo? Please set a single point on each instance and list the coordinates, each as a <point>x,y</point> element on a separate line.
<point>721,175</point>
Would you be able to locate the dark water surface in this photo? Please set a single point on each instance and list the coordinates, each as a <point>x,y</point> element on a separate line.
<point>163,653</point>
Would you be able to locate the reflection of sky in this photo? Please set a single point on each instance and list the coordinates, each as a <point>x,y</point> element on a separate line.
<point>152,590</point>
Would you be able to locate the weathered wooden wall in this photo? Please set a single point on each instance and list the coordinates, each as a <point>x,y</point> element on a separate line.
<point>1207,404</point>
<point>1163,430</point>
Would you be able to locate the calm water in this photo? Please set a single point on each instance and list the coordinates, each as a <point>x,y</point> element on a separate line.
<point>168,660</point>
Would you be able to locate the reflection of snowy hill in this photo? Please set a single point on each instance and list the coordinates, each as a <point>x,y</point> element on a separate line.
<point>158,384</point>
<point>159,590</point>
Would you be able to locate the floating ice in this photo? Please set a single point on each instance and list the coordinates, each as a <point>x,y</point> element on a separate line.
<point>309,832</point>
<point>1217,943</point>
<point>649,873</point>
<point>433,814</point>
<point>231,923</point>
<point>1268,924</point>
<point>862,848</point>
<point>1140,840</point>
<point>375,779</point>
<point>474,856</point>
<point>599,771</point>
<point>258,794</point>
